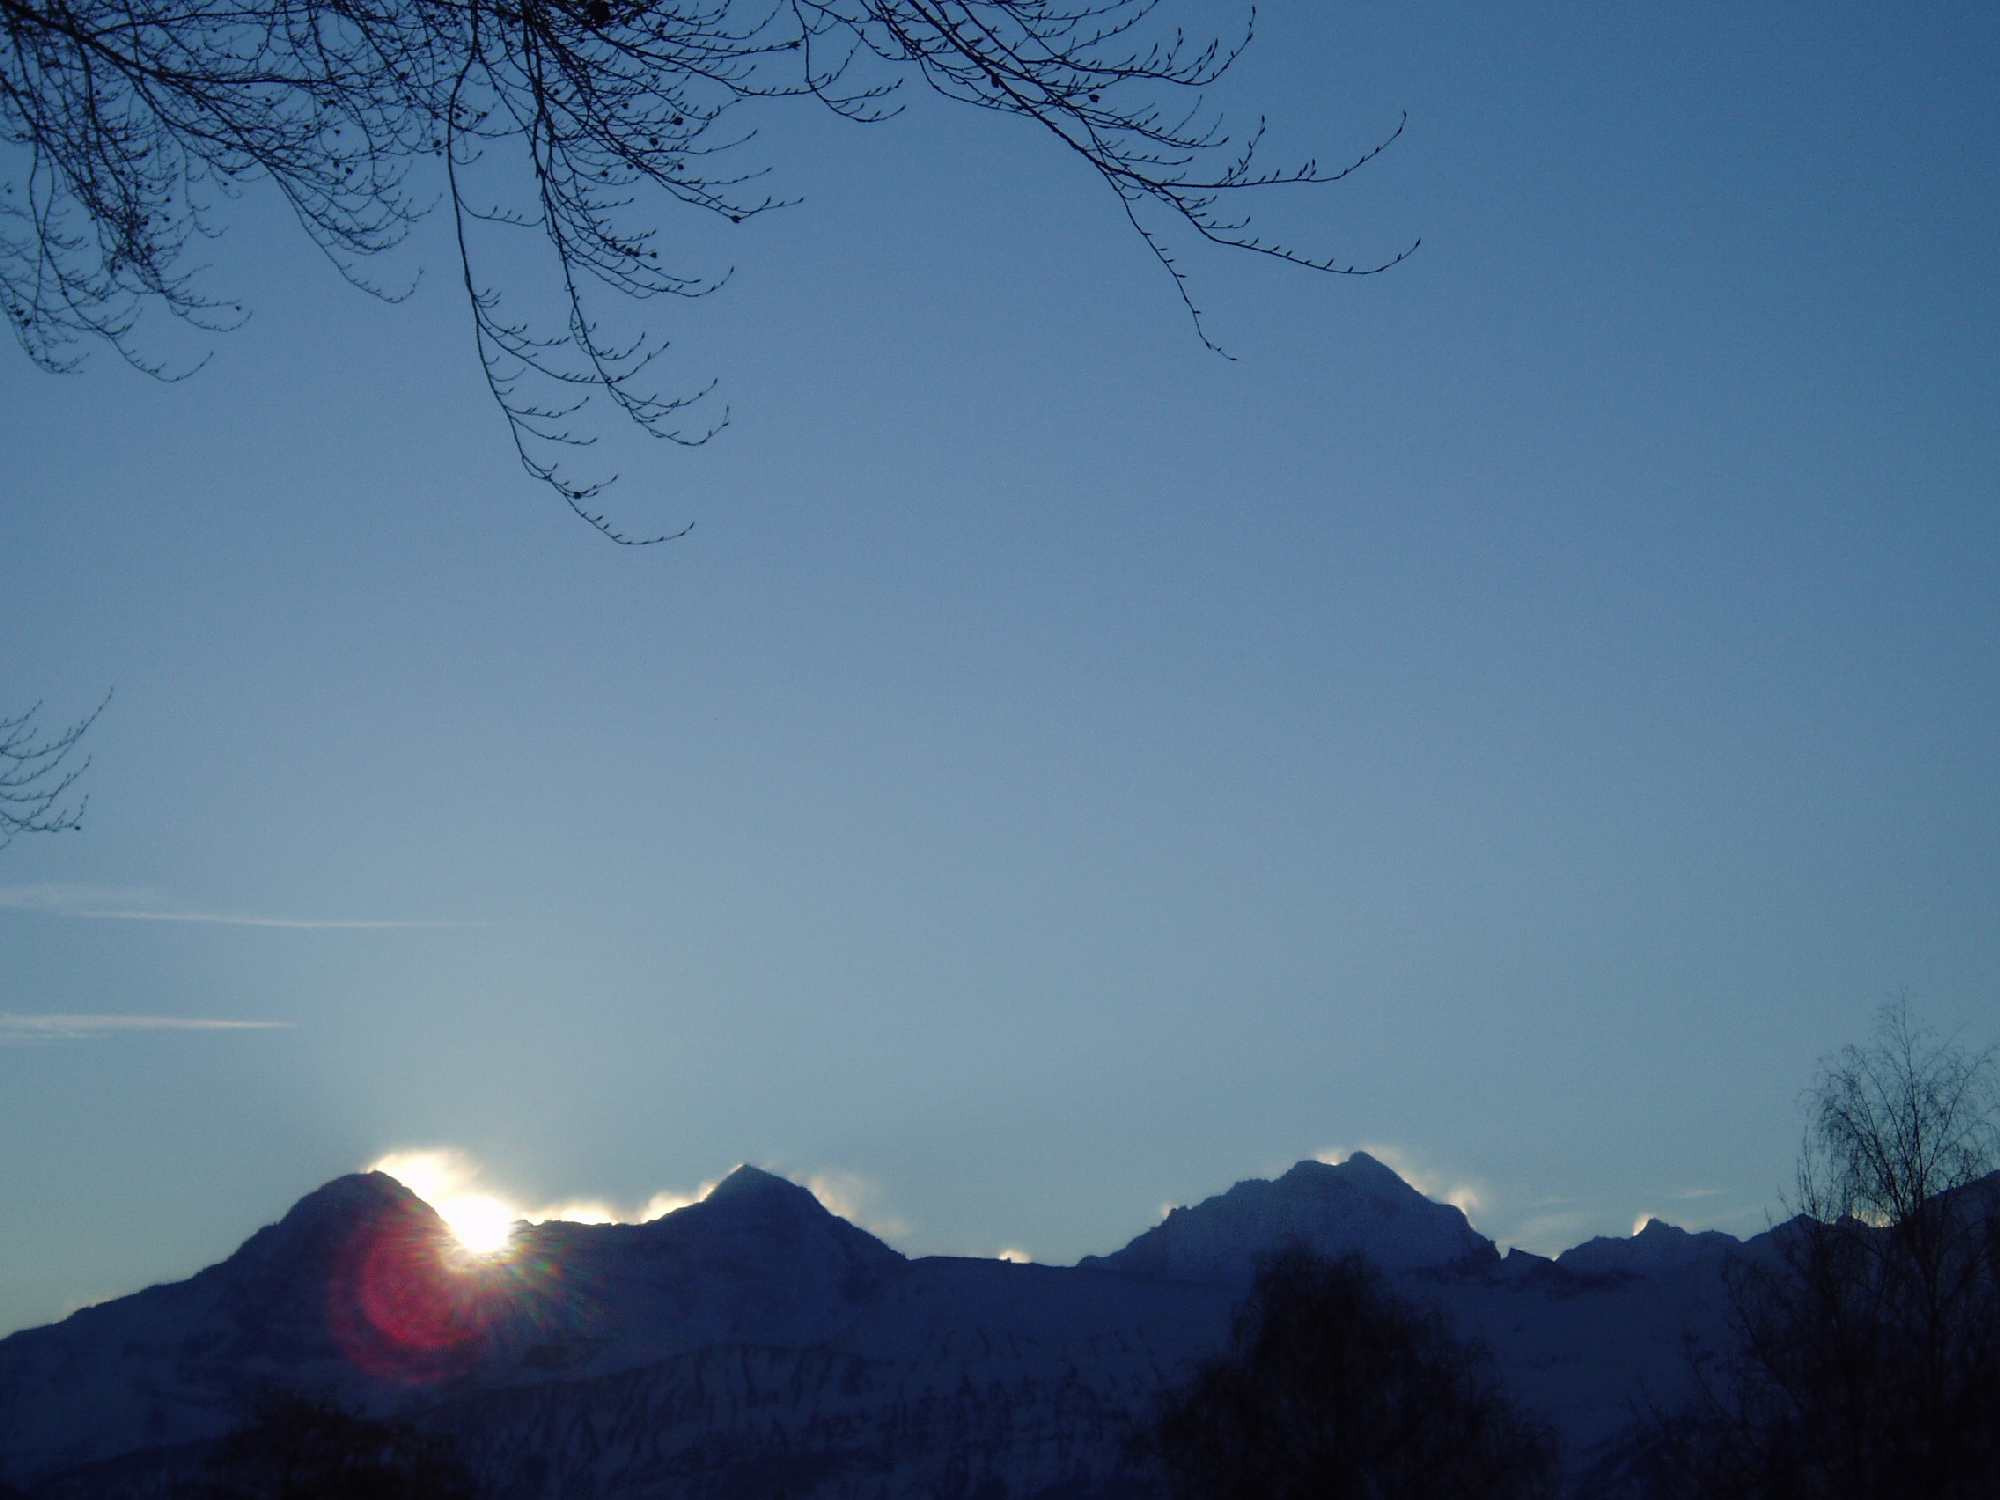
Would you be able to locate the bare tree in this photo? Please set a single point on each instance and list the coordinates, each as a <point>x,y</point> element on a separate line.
<point>37,774</point>
<point>577,120</point>
<point>1896,1130</point>
<point>1868,1343</point>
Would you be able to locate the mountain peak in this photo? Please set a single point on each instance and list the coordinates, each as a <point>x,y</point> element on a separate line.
<point>753,1185</point>
<point>335,1208</point>
<point>746,1178</point>
<point>1357,1169</point>
<point>1656,1246</point>
<point>355,1190</point>
<point>1360,1205</point>
<point>754,1218</point>
<point>327,1219</point>
<point>1362,1161</point>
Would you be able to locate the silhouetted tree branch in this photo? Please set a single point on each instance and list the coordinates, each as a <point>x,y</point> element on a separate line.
<point>575,120</point>
<point>37,774</point>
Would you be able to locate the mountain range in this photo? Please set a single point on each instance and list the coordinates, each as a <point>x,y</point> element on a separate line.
<point>755,1343</point>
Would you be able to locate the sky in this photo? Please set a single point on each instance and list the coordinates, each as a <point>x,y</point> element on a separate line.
<point>1517,715</point>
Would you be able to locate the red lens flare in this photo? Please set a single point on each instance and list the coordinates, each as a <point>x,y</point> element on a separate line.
<point>400,1309</point>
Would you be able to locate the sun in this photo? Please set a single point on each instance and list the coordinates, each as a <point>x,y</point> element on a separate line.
<point>481,1223</point>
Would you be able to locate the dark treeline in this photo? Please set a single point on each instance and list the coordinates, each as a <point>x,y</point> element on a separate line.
<point>300,1448</point>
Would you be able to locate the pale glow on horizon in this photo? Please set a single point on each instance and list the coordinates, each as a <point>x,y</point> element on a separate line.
<point>482,1219</point>
<point>1639,1224</point>
<point>1016,1257</point>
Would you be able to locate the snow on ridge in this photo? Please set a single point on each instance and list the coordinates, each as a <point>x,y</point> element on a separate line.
<point>1360,1205</point>
<point>1658,1246</point>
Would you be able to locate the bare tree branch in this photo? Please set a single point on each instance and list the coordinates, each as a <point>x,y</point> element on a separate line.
<point>37,774</point>
<point>131,122</point>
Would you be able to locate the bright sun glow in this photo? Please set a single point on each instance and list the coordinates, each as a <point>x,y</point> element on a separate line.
<point>482,1224</point>
<point>483,1221</point>
<point>445,1180</point>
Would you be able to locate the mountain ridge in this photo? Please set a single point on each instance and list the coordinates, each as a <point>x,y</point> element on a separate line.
<point>1358,1204</point>
<point>357,1294</point>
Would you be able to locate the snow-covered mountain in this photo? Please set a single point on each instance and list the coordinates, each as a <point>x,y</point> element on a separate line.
<point>755,1342</point>
<point>1657,1247</point>
<point>1357,1205</point>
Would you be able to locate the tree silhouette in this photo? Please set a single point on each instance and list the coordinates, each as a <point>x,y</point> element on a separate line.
<point>301,1448</point>
<point>37,774</point>
<point>1335,1389</point>
<point>1868,1349</point>
<point>577,120</point>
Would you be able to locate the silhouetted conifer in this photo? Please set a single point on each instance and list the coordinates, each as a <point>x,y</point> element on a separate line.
<point>1334,1388</point>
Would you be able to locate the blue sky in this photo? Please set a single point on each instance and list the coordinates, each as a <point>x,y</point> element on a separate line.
<point>1518,714</point>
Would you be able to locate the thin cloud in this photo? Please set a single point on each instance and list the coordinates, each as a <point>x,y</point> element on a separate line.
<point>1686,1194</point>
<point>19,1029</point>
<point>244,919</point>
<point>108,904</point>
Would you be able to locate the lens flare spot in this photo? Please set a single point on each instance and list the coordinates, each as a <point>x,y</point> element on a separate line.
<point>397,1307</point>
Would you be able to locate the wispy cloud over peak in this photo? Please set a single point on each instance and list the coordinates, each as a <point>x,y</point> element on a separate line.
<point>857,1199</point>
